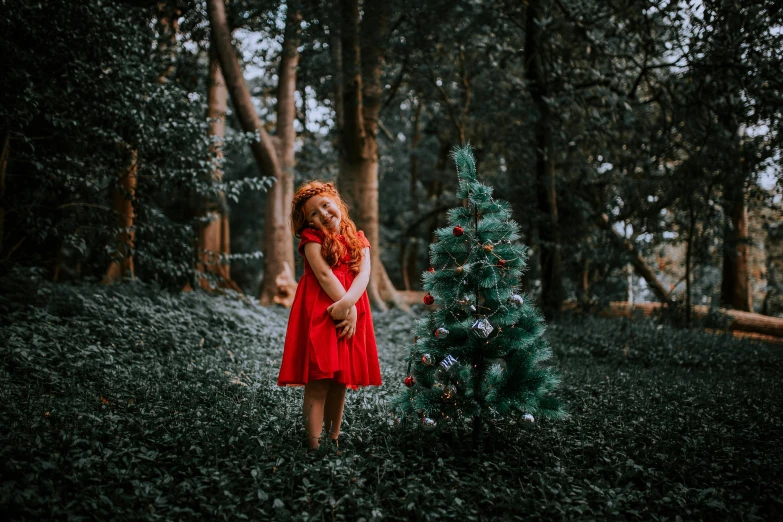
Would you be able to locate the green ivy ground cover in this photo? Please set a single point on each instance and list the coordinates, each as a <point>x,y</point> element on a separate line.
<point>131,403</point>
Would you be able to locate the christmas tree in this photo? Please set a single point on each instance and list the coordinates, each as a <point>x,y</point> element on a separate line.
<point>477,357</point>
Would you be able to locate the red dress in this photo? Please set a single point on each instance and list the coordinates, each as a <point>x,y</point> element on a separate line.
<point>312,350</point>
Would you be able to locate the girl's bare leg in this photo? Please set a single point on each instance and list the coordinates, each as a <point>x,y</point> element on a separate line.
<point>333,410</point>
<point>315,393</point>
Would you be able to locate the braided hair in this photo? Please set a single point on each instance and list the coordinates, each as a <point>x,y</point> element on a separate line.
<point>332,248</point>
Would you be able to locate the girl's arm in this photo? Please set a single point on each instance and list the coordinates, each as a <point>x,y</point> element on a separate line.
<point>323,272</point>
<point>359,285</point>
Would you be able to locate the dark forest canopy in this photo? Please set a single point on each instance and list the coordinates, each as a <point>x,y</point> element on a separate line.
<point>638,141</point>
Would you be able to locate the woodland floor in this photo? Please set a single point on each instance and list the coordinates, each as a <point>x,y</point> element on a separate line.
<point>129,402</point>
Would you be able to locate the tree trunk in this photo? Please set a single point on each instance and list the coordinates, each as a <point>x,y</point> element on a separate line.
<point>125,188</point>
<point>123,194</point>
<point>5,143</point>
<point>278,239</point>
<point>168,23</point>
<point>409,253</point>
<point>771,328</point>
<point>735,286</point>
<point>689,262</point>
<point>278,250</point>
<point>584,280</point>
<point>336,54</point>
<point>638,262</point>
<point>213,235</point>
<point>552,292</point>
<point>263,149</point>
<point>362,93</point>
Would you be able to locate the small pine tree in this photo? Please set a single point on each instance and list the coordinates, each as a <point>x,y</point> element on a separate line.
<point>478,355</point>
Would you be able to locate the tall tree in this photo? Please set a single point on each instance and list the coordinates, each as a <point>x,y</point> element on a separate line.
<point>274,156</point>
<point>552,293</point>
<point>279,250</point>
<point>122,205</point>
<point>124,189</point>
<point>5,147</point>
<point>363,50</point>
<point>213,233</point>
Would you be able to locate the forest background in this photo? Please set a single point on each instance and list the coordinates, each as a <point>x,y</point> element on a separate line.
<point>638,141</point>
<point>151,147</point>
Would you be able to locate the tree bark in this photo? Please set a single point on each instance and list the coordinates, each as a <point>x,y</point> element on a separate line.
<point>552,293</point>
<point>738,321</point>
<point>124,190</point>
<point>213,235</point>
<point>638,262</point>
<point>123,194</point>
<point>409,251</point>
<point>278,249</point>
<point>262,148</point>
<point>735,285</point>
<point>5,143</point>
<point>362,96</point>
<point>278,239</point>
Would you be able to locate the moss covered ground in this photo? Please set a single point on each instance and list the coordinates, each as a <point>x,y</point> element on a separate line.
<point>128,402</point>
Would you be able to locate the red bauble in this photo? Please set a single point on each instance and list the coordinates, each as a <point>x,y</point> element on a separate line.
<point>501,262</point>
<point>410,381</point>
<point>428,299</point>
<point>458,231</point>
<point>430,269</point>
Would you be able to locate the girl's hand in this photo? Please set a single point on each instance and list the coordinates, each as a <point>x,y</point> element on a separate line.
<point>347,327</point>
<point>339,310</point>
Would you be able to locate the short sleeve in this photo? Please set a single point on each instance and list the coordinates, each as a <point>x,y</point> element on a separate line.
<point>308,235</point>
<point>363,239</point>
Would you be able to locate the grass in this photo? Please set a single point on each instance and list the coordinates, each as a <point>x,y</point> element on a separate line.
<point>131,403</point>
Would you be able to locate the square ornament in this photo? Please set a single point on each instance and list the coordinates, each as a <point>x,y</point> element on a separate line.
<point>482,328</point>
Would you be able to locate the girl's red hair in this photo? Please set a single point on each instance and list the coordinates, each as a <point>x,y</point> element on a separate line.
<point>332,248</point>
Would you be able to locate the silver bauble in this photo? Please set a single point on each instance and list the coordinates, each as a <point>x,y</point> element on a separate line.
<point>527,417</point>
<point>517,300</point>
<point>441,333</point>
<point>426,360</point>
<point>428,424</point>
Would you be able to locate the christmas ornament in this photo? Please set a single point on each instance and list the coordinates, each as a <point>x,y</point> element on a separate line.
<point>488,247</point>
<point>430,269</point>
<point>517,300</point>
<point>482,328</point>
<point>428,424</point>
<point>458,231</point>
<point>459,270</point>
<point>472,309</point>
<point>426,359</point>
<point>428,299</point>
<point>528,418</point>
<point>448,362</point>
<point>410,381</point>
<point>394,423</point>
<point>441,333</point>
<point>501,263</point>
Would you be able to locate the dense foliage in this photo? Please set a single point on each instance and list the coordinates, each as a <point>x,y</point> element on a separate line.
<point>661,115</point>
<point>131,402</point>
<point>91,91</point>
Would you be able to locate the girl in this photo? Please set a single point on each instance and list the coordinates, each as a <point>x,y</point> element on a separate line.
<point>330,343</point>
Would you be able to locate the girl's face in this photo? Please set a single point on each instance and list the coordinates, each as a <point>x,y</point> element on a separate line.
<point>322,212</point>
